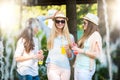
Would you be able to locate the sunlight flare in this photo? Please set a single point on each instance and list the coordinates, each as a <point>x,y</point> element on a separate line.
<point>8,16</point>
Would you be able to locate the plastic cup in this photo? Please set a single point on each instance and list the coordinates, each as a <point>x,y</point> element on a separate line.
<point>40,62</point>
<point>63,51</point>
<point>75,52</point>
<point>73,45</point>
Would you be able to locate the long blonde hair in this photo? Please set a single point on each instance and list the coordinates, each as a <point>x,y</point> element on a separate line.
<point>54,34</point>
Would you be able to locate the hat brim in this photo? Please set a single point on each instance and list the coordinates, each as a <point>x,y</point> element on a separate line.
<point>60,17</point>
<point>86,18</point>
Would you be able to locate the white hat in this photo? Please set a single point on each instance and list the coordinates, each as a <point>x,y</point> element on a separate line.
<point>60,14</point>
<point>91,17</point>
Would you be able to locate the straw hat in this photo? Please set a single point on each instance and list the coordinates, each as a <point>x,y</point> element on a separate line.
<point>60,14</point>
<point>92,18</point>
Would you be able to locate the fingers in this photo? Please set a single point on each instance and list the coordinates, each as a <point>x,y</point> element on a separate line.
<point>40,51</point>
<point>66,46</point>
<point>55,13</point>
<point>40,56</point>
<point>75,48</point>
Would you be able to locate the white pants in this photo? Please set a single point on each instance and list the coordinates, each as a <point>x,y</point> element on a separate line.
<point>55,72</point>
<point>83,74</point>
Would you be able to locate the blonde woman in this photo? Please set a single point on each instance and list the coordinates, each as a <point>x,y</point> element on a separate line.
<point>58,67</point>
<point>89,48</point>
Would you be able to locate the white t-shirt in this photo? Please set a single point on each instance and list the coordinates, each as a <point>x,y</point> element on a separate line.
<point>28,67</point>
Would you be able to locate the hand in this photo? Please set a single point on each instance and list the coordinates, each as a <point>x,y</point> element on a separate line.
<point>73,44</point>
<point>52,16</point>
<point>79,50</point>
<point>40,52</point>
<point>40,55</point>
<point>55,13</point>
<point>75,50</point>
<point>66,47</point>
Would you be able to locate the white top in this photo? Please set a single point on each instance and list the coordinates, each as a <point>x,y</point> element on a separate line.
<point>82,61</point>
<point>29,66</point>
<point>55,55</point>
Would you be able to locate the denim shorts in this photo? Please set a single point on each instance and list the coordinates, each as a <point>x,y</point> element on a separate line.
<point>28,77</point>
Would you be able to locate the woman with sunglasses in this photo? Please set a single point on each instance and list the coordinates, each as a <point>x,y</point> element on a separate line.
<point>59,49</point>
<point>89,48</point>
<point>58,44</point>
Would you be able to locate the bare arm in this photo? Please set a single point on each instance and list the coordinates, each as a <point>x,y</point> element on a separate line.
<point>91,53</point>
<point>35,56</point>
<point>24,58</point>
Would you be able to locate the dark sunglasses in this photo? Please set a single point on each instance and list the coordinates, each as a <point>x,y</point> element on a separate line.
<point>84,22</point>
<point>60,21</point>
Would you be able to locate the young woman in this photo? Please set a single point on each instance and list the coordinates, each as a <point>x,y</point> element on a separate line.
<point>27,53</point>
<point>58,67</point>
<point>89,48</point>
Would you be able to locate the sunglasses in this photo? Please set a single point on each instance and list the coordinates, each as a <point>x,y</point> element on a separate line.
<point>84,22</point>
<point>60,21</point>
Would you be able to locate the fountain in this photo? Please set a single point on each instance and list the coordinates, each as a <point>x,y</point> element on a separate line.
<point>112,37</point>
<point>7,62</point>
<point>107,39</point>
<point>1,60</point>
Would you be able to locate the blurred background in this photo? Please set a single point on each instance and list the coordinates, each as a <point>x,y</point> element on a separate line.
<point>14,13</point>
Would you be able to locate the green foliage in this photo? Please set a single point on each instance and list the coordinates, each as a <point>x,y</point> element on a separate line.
<point>34,11</point>
<point>42,68</point>
<point>101,74</point>
<point>43,43</point>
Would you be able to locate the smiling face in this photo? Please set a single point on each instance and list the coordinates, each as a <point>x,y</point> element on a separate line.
<point>60,23</point>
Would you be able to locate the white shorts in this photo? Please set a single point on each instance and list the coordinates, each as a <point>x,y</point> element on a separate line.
<point>55,72</point>
<point>83,74</point>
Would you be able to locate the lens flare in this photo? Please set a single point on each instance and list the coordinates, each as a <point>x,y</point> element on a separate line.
<point>8,16</point>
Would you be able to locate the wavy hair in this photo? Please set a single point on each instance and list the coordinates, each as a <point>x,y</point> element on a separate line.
<point>27,34</point>
<point>90,29</point>
<point>54,34</point>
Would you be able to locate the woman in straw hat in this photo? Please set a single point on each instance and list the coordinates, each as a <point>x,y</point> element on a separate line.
<point>58,67</point>
<point>89,48</point>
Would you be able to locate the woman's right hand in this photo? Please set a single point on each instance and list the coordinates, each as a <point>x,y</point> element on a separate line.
<point>51,16</point>
<point>39,55</point>
<point>74,47</point>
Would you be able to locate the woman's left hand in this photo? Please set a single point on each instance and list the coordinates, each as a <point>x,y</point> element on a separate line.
<point>79,50</point>
<point>67,47</point>
<point>68,51</point>
<point>40,55</point>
